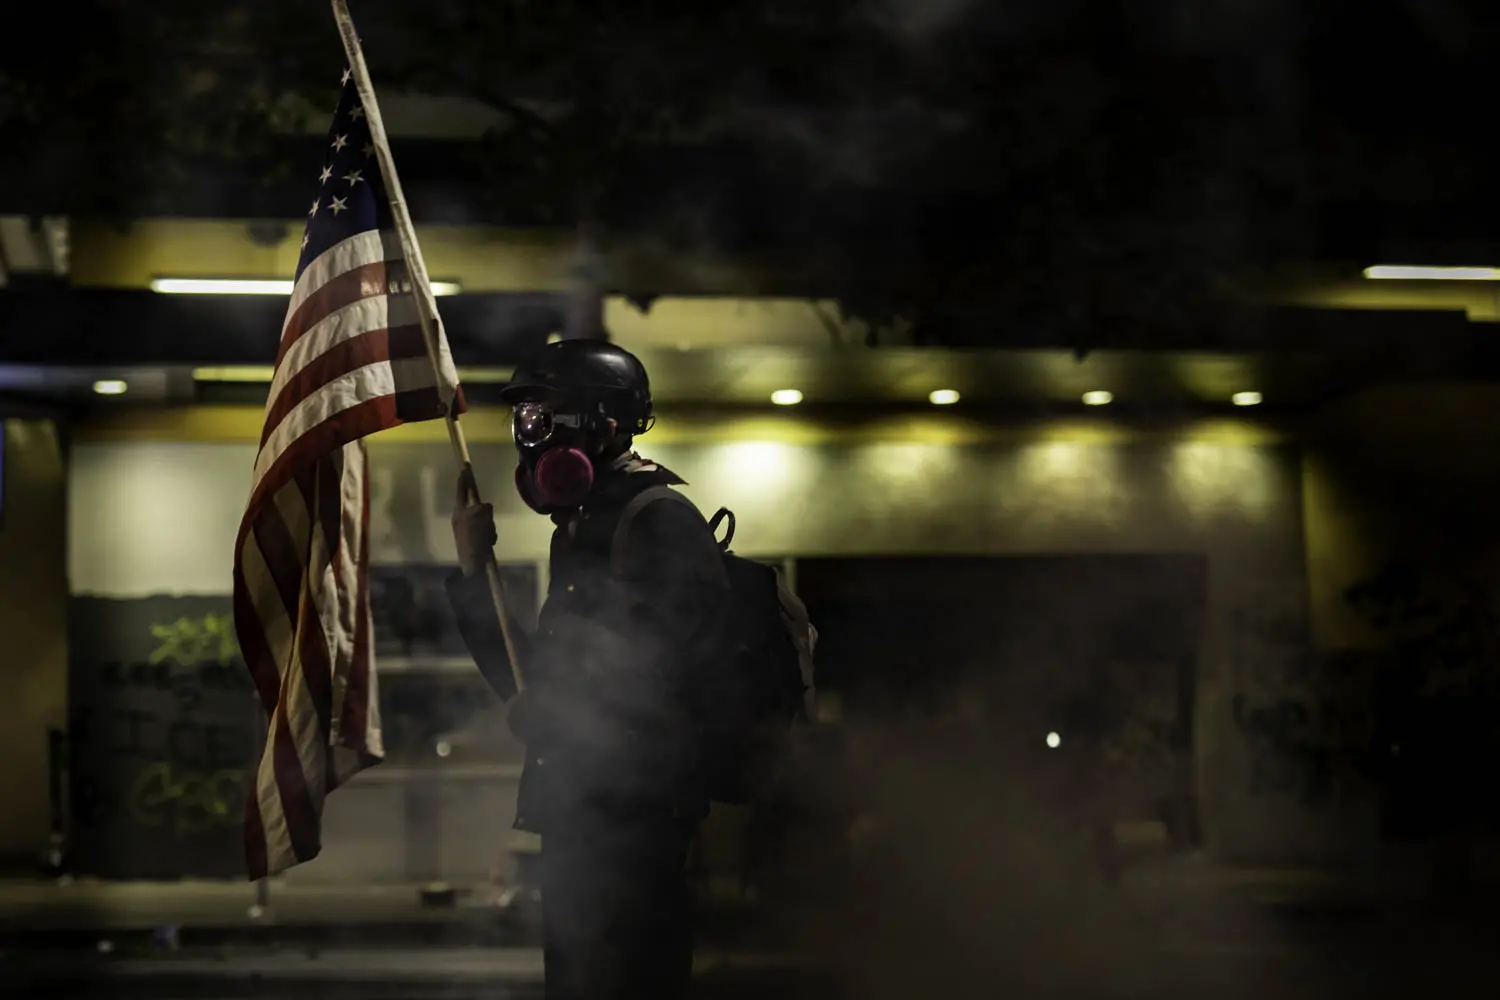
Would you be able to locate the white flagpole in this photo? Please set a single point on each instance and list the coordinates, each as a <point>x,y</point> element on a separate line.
<point>427,313</point>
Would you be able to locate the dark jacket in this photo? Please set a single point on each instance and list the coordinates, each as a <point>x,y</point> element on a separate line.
<point>614,652</point>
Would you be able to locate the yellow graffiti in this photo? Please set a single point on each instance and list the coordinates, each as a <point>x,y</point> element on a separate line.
<point>189,642</point>
<point>187,802</point>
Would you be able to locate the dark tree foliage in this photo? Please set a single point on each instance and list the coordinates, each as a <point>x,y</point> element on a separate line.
<point>1092,169</point>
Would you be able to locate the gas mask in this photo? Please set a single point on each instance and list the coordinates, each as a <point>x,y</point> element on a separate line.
<point>555,472</point>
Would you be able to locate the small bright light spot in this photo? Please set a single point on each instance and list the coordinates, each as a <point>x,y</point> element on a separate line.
<point>444,748</point>
<point>1098,397</point>
<point>1054,741</point>
<point>943,397</point>
<point>1405,272</point>
<point>110,386</point>
<point>1245,399</point>
<point>786,397</point>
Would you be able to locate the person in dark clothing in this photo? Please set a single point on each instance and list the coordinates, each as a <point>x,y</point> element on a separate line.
<point>610,781</point>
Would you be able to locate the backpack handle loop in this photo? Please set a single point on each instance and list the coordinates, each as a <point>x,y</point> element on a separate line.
<point>716,520</point>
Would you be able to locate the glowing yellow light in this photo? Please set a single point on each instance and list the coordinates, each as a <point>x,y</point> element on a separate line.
<point>1404,272</point>
<point>1098,397</point>
<point>943,397</point>
<point>235,373</point>
<point>786,397</point>
<point>1245,399</point>
<point>1054,741</point>
<point>110,386</point>
<point>264,373</point>
<point>764,475</point>
<point>251,286</point>
<point>1209,477</point>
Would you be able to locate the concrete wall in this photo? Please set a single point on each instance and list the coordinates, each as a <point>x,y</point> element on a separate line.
<point>33,623</point>
<point>158,516</point>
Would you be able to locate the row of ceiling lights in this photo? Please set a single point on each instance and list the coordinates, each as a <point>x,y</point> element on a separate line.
<point>791,397</point>
<point>947,397</point>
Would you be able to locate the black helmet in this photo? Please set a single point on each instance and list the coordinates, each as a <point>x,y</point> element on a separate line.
<point>591,373</point>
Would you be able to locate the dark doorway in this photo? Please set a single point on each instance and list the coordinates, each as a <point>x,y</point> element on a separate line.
<point>1072,673</point>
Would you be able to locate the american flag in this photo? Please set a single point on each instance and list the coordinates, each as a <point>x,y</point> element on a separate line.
<point>353,359</point>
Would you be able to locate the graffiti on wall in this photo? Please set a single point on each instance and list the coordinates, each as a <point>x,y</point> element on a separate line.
<point>164,731</point>
<point>1374,721</point>
<point>1304,718</point>
<point>188,768</point>
<point>1306,744</point>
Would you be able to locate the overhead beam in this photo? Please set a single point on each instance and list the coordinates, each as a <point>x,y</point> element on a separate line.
<point>479,258</point>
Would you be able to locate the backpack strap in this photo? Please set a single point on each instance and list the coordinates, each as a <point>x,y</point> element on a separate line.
<point>716,520</point>
<point>638,503</point>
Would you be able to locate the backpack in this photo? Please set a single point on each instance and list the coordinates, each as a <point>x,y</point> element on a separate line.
<point>752,677</point>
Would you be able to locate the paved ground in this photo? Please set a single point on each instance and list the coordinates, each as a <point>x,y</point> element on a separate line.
<point>83,913</point>
<point>92,903</point>
<point>101,904</point>
<point>1173,932</point>
<point>406,973</point>
<point>1306,963</point>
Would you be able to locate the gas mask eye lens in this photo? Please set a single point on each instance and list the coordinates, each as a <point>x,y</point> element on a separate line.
<point>531,423</point>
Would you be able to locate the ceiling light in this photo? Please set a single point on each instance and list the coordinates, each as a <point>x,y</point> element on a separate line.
<point>1245,399</point>
<point>786,397</point>
<point>215,286</point>
<point>235,373</point>
<point>943,397</point>
<point>1404,272</point>
<point>110,386</point>
<point>1098,397</point>
<point>247,286</point>
<point>483,375</point>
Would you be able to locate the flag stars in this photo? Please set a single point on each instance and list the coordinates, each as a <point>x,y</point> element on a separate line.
<point>354,177</point>
<point>340,141</point>
<point>347,74</point>
<point>304,241</point>
<point>356,113</point>
<point>314,210</point>
<point>368,149</point>
<point>337,206</point>
<point>325,175</point>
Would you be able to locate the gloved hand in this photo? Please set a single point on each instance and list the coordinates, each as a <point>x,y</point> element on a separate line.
<point>473,527</point>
